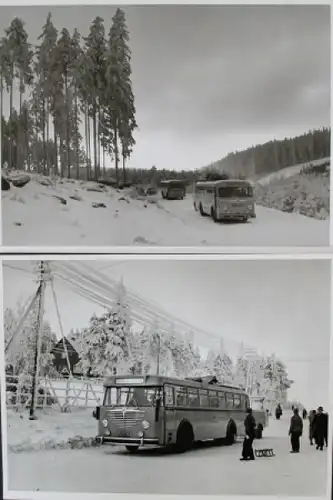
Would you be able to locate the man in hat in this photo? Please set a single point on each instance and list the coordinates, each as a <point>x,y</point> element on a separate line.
<point>320,428</point>
<point>250,425</point>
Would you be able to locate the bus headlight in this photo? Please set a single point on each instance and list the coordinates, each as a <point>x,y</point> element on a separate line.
<point>140,434</point>
<point>105,423</point>
<point>145,424</point>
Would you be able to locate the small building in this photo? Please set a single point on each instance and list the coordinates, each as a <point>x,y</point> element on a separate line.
<point>60,359</point>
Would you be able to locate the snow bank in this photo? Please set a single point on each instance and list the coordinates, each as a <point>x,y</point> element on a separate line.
<point>285,173</point>
<point>53,429</point>
<point>54,212</point>
<point>304,193</point>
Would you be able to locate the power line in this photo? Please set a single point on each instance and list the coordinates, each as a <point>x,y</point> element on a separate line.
<point>9,266</point>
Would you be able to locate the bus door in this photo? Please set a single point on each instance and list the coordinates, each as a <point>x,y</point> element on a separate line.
<point>170,414</point>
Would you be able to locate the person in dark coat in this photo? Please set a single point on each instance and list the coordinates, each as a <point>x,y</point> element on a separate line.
<point>320,428</point>
<point>312,416</point>
<point>305,414</point>
<point>295,431</point>
<point>250,426</point>
<point>326,430</point>
<point>278,412</point>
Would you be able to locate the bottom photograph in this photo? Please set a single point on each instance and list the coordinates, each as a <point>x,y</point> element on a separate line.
<point>160,375</point>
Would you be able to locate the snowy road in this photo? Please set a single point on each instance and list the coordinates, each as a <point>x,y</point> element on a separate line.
<point>204,470</point>
<point>33,216</point>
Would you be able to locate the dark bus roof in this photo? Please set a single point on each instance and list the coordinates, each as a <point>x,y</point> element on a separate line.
<point>231,182</point>
<point>208,382</point>
<point>166,181</point>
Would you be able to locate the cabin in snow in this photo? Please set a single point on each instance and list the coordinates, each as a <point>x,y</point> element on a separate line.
<point>60,359</point>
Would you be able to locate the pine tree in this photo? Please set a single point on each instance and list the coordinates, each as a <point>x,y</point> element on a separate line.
<point>106,344</point>
<point>48,80</point>
<point>21,352</point>
<point>95,54</point>
<point>120,113</point>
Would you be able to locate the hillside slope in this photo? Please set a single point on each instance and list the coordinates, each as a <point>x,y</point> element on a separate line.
<point>77,213</point>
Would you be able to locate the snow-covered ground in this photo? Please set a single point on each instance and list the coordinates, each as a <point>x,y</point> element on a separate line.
<point>34,216</point>
<point>287,172</point>
<point>203,470</point>
<point>53,429</point>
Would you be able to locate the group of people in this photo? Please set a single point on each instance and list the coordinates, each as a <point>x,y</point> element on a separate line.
<point>318,430</point>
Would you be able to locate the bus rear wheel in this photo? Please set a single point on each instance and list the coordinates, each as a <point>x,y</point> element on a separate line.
<point>132,448</point>
<point>185,437</point>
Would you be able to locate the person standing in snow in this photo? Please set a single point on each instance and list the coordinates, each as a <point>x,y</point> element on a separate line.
<point>312,416</point>
<point>305,414</point>
<point>278,412</point>
<point>320,428</point>
<point>326,430</point>
<point>250,426</point>
<point>295,431</point>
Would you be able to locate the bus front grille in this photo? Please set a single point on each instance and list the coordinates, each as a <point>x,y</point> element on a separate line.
<point>125,419</point>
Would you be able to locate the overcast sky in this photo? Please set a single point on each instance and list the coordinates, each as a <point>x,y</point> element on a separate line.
<point>212,79</point>
<point>275,306</point>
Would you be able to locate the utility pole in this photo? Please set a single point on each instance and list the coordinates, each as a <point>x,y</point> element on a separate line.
<point>39,333</point>
<point>158,354</point>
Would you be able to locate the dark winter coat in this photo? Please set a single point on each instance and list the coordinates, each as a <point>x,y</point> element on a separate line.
<point>320,425</point>
<point>311,418</point>
<point>250,426</point>
<point>296,425</point>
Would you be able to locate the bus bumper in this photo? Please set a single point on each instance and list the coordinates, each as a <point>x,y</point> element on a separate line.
<point>128,441</point>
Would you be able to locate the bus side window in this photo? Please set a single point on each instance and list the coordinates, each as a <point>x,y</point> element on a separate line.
<point>203,395</point>
<point>230,400</point>
<point>181,396</point>
<point>222,398</point>
<point>193,397</point>
<point>168,396</point>
<point>237,401</point>
<point>213,399</point>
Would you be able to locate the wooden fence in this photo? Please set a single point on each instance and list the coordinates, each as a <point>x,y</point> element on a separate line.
<point>64,393</point>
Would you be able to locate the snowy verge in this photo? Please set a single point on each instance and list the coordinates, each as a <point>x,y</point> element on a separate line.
<point>52,430</point>
<point>303,193</point>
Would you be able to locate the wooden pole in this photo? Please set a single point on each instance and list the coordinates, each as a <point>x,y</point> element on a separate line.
<point>39,333</point>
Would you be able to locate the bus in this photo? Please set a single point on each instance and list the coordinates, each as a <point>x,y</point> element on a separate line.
<point>226,199</point>
<point>151,410</point>
<point>173,189</point>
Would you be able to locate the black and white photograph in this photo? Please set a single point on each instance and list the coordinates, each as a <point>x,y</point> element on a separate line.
<point>167,376</point>
<point>194,126</point>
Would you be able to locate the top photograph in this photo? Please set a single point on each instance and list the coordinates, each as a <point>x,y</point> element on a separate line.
<point>154,126</point>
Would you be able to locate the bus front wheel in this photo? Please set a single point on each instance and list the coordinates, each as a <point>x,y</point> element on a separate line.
<point>132,449</point>
<point>201,210</point>
<point>213,214</point>
<point>185,437</point>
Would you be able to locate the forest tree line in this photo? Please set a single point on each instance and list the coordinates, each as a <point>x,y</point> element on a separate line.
<point>62,82</point>
<point>276,155</point>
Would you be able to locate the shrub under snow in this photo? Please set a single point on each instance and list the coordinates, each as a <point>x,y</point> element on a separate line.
<point>307,193</point>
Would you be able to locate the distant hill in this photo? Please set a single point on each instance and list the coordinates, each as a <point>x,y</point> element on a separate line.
<point>273,156</point>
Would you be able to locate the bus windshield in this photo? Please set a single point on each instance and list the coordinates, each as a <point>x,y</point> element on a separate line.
<point>235,191</point>
<point>131,396</point>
